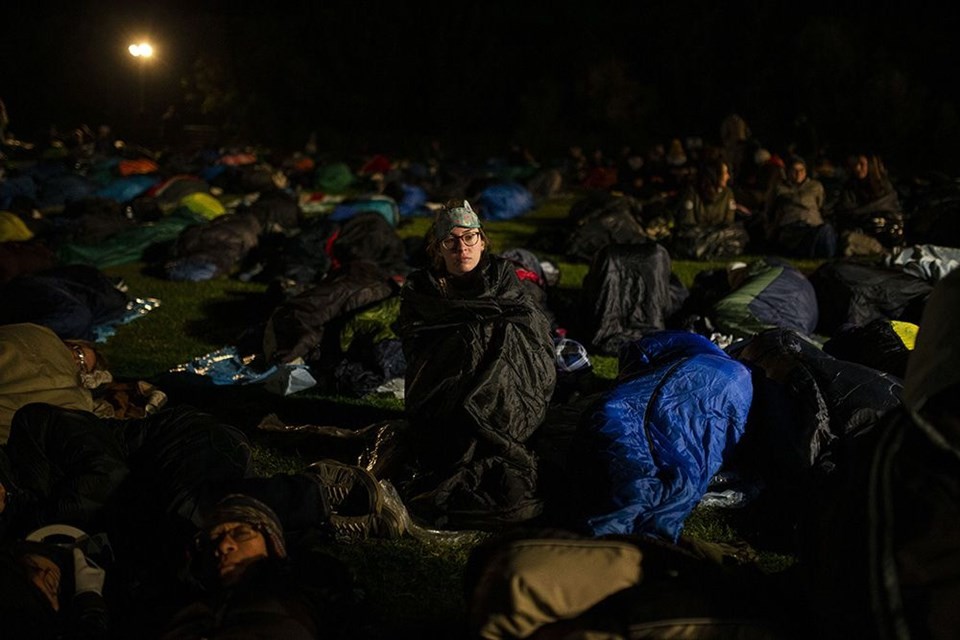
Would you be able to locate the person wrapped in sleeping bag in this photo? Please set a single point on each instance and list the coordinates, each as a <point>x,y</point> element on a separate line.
<point>881,544</point>
<point>480,373</point>
<point>647,450</point>
<point>766,294</point>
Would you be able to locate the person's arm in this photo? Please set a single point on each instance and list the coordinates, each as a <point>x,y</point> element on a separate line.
<point>731,213</point>
<point>820,196</point>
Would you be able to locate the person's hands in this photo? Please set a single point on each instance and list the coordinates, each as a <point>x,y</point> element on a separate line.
<point>87,575</point>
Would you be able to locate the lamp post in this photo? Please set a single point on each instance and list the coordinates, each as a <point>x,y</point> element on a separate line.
<point>142,51</point>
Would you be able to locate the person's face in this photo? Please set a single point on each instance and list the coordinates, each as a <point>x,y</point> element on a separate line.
<point>85,357</point>
<point>459,257</point>
<point>236,545</point>
<point>861,167</point>
<point>798,173</point>
<point>724,175</point>
<point>45,576</point>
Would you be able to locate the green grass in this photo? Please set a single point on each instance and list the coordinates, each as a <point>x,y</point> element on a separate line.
<point>413,588</point>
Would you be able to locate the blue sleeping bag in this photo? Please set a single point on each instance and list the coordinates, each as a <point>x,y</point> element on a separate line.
<point>384,205</point>
<point>414,200</point>
<point>126,189</point>
<point>64,189</point>
<point>505,201</point>
<point>649,448</point>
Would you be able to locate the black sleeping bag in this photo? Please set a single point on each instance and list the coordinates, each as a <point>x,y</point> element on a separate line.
<point>296,328</point>
<point>213,249</point>
<point>854,293</point>
<point>627,294</point>
<point>323,245</point>
<point>73,467</point>
<point>876,344</point>
<point>71,300</point>
<point>805,401</point>
<point>602,220</point>
<point>480,373</point>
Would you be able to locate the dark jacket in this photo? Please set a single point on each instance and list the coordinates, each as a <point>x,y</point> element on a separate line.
<point>797,204</point>
<point>305,597</point>
<point>72,467</point>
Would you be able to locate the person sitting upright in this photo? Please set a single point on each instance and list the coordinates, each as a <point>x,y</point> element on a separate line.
<point>868,208</point>
<point>480,373</point>
<point>795,224</point>
<point>706,225</point>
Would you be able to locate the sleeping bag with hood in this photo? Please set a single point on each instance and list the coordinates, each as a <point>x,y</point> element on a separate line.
<point>649,447</point>
<point>626,294</point>
<point>771,294</point>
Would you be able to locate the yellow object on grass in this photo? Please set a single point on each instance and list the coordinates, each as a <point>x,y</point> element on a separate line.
<point>203,204</point>
<point>13,229</point>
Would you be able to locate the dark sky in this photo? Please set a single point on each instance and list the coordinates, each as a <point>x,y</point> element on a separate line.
<point>544,72</point>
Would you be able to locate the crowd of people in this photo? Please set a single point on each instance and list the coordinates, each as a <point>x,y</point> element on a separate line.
<point>200,547</point>
<point>737,196</point>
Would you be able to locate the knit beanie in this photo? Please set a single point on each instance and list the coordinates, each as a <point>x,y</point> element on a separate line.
<point>238,507</point>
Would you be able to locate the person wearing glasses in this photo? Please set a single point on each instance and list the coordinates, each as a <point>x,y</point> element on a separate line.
<point>480,373</point>
<point>255,586</point>
<point>36,365</point>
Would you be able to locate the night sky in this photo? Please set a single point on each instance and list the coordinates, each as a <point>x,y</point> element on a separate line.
<point>877,77</point>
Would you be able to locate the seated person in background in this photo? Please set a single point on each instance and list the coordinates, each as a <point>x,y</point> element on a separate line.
<point>37,366</point>
<point>868,187</point>
<point>795,225</point>
<point>706,225</point>
<point>36,601</point>
<point>255,589</point>
<point>868,208</point>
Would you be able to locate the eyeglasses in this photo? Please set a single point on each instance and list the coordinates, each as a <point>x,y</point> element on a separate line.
<point>81,357</point>
<point>242,533</point>
<point>468,240</point>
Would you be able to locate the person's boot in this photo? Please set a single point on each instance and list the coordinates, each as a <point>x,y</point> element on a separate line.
<point>356,502</point>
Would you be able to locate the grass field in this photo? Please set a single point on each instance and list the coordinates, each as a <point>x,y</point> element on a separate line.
<point>414,588</point>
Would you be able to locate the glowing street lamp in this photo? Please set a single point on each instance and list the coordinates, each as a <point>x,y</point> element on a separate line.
<point>142,51</point>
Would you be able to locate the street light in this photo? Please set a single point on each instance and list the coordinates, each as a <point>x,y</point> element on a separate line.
<point>142,51</point>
